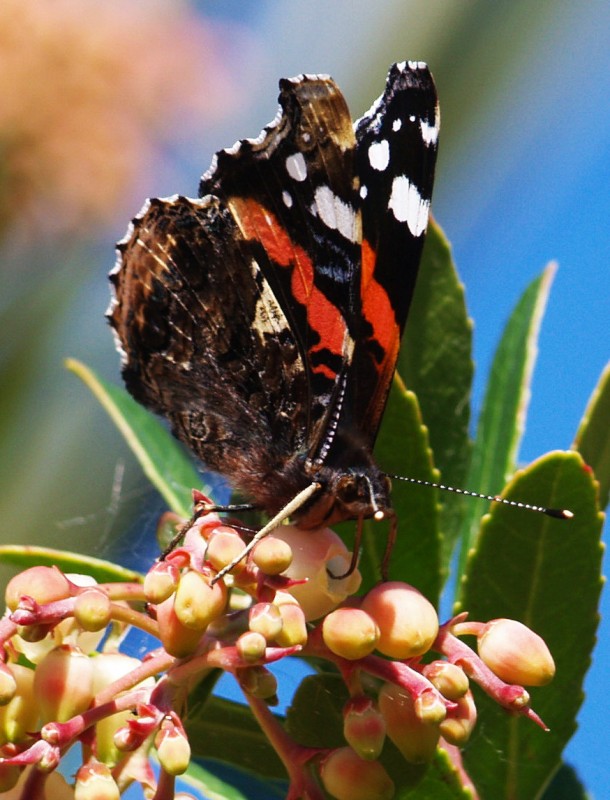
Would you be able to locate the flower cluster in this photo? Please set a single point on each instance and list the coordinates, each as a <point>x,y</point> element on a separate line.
<point>64,681</point>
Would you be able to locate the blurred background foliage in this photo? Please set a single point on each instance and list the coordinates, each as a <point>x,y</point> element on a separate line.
<point>103,104</point>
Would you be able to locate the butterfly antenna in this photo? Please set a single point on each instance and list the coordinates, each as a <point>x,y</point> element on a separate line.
<point>558,513</point>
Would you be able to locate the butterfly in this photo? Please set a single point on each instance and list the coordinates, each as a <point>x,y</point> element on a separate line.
<point>264,318</point>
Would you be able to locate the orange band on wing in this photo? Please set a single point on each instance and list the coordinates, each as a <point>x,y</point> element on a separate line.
<point>377,309</point>
<point>259,224</point>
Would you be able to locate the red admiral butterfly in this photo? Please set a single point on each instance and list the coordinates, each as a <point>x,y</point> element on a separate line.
<point>264,319</point>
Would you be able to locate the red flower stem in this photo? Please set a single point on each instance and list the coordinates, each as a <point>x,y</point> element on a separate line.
<point>127,590</point>
<point>394,671</point>
<point>61,734</point>
<point>292,755</point>
<point>148,669</point>
<point>134,618</point>
<point>166,787</point>
<point>512,697</point>
<point>226,658</point>
<point>33,788</point>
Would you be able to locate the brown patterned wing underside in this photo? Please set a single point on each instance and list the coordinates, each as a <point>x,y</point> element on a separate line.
<point>232,391</point>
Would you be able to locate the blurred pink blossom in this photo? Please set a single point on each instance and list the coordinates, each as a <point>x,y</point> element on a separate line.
<point>89,93</point>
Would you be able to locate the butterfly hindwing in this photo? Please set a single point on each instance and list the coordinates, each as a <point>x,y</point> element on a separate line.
<point>234,393</point>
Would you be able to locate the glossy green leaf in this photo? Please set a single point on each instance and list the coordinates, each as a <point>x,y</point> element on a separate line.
<point>593,436</point>
<point>435,362</point>
<point>226,731</point>
<point>546,573</point>
<point>25,556</point>
<point>162,458</point>
<point>502,419</point>
<point>565,786</point>
<point>403,449</point>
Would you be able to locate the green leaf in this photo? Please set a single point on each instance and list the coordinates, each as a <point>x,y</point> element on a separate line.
<point>440,781</point>
<point>315,716</point>
<point>403,449</point>
<point>565,785</point>
<point>502,418</point>
<point>547,574</point>
<point>593,436</point>
<point>227,731</point>
<point>162,458</point>
<point>435,362</point>
<point>25,556</point>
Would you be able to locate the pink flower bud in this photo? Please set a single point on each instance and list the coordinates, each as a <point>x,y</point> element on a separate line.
<point>92,610</point>
<point>173,750</point>
<point>294,625</point>
<point>63,684</point>
<point>265,618</point>
<point>19,717</point>
<point>450,680</point>
<point>407,622</point>
<point>197,602</point>
<point>94,781</point>
<point>161,581</point>
<point>515,653</point>
<point>8,685</point>
<point>317,555</point>
<point>251,646</point>
<point>350,633</point>
<point>346,776</point>
<point>416,740</point>
<point>430,708</point>
<point>178,640</point>
<point>44,584</point>
<point>364,727</point>
<point>225,544</point>
<point>459,723</point>
<point>272,555</point>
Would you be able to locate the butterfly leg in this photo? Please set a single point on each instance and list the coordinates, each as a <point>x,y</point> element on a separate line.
<point>355,554</point>
<point>389,546</point>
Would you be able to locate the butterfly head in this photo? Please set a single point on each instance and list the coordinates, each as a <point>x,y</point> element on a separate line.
<point>344,495</point>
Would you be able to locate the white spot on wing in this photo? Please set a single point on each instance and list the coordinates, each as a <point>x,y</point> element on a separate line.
<point>408,205</point>
<point>363,191</point>
<point>429,133</point>
<point>379,155</point>
<point>397,125</point>
<point>336,214</point>
<point>296,167</point>
<point>287,198</point>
